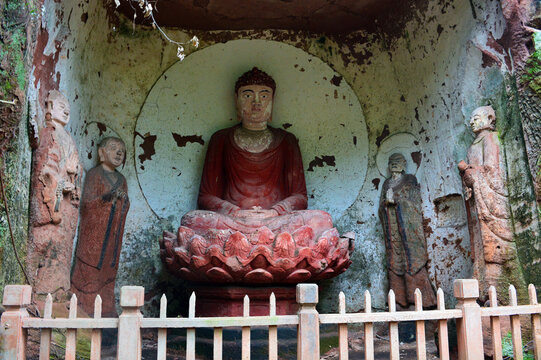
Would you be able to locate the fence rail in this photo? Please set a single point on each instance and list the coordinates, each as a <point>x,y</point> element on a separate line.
<point>16,321</point>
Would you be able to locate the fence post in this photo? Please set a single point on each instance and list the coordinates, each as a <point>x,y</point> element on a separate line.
<point>129,323</point>
<point>469,328</point>
<point>308,331</point>
<point>12,334</point>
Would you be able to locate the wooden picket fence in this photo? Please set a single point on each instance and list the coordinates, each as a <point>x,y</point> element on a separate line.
<point>16,321</point>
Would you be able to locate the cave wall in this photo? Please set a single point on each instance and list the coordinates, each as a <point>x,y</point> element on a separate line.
<point>419,83</point>
<point>18,29</point>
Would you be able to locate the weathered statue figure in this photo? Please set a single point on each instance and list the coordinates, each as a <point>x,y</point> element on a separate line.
<point>56,175</point>
<point>253,174</point>
<point>402,219</point>
<point>493,249</point>
<point>104,206</point>
<point>253,193</point>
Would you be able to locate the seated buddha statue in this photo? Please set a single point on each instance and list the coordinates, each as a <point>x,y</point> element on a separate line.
<point>253,191</point>
<point>253,174</point>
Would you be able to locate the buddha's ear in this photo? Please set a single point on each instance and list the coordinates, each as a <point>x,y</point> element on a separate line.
<point>237,107</point>
<point>101,156</point>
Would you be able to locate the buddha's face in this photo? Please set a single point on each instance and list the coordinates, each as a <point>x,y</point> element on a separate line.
<point>481,119</point>
<point>112,154</point>
<point>58,110</point>
<point>397,164</point>
<point>254,104</point>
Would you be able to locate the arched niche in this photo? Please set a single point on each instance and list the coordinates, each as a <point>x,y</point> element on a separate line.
<point>195,98</point>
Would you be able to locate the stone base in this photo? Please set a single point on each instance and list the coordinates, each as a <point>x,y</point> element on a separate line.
<point>229,300</point>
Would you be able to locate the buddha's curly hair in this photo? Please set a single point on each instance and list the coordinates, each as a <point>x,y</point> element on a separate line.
<point>255,77</point>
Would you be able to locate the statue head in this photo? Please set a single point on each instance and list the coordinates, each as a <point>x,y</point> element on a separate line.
<point>397,163</point>
<point>483,118</point>
<point>112,153</point>
<point>57,108</point>
<point>254,92</point>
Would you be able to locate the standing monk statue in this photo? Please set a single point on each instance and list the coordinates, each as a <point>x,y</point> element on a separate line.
<point>104,206</point>
<point>494,252</point>
<point>56,175</point>
<point>402,219</point>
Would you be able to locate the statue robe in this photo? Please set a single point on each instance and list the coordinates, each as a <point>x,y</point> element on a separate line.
<point>100,239</point>
<point>234,178</point>
<point>405,241</point>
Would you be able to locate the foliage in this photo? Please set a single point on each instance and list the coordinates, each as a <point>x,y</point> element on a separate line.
<point>532,70</point>
<point>507,349</point>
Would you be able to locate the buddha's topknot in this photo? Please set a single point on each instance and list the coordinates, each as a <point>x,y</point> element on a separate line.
<point>255,77</point>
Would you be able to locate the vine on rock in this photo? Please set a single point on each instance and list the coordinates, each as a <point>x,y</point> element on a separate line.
<point>148,7</point>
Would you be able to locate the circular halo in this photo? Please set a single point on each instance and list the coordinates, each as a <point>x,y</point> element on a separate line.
<point>404,143</point>
<point>194,98</point>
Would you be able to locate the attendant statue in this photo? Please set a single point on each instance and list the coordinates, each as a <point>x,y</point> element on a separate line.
<point>104,207</point>
<point>253,195</point>
<point>493,249</point>
<point>402,219</point>
<point>54,204</point>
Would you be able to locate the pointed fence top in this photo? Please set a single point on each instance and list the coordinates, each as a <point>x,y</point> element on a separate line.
<point>532,294</point>
<point>440,299</point>
<point>418,300</point>
<point>391,301</point>
<point>97,307</point>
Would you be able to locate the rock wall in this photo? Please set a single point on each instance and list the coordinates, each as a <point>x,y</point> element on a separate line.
<point>416,86</point>
<point>17,31</point>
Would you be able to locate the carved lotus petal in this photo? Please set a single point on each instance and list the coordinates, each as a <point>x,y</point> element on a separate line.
<point>237,245</point>
<point>184,234</point>
<point>218,237</point>
<point>284,246</point>
<point>299,276</point>
<point>322,248</point>
<point>259,276</point>
<point>199,261</point>
<point>262,236</point>
<point>219,275</point>
<point>303,236</point>
<point>226,256</point>
<point>198,246</point>
<point>259,262</point>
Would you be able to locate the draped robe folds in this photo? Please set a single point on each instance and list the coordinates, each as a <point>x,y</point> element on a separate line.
<point>53,214</point>
<point>405,241</point>
<point>100,239</point>
<point>494,251</point>
<point>235,179</point>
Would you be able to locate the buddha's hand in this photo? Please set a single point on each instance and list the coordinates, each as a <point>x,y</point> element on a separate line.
<point>256,212</point>
<point>389,196</point>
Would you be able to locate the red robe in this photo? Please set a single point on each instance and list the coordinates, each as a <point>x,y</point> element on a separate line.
<point>234,178</point>
<point>100,239</point>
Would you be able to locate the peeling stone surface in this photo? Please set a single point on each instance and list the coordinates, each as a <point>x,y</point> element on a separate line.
<point>422,75</point>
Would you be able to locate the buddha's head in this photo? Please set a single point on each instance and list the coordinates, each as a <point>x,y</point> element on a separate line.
<point>112,152</point>
<point>397,163</point>
<point>483,118</point>
<point>254,92</point>
<point>57,108</point>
